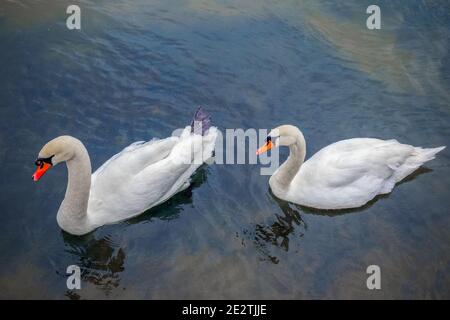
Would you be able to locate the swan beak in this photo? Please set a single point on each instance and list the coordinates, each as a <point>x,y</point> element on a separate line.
<point>40,171</point>
<point>266,147</point>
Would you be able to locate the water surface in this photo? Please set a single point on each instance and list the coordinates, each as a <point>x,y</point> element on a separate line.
<point>138,69</point>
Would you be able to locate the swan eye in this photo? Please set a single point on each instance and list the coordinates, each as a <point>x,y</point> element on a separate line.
<point>268,139</point>
<point>40,161</point>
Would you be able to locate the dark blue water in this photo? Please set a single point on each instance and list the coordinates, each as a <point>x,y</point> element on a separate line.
<point>138,69</point>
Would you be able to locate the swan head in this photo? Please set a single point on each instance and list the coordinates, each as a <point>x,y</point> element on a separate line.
<point>53,152</point>
<point>284,135</point>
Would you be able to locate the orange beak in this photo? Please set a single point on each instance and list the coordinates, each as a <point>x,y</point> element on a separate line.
<point>40,171</point>
<point>266,147</point>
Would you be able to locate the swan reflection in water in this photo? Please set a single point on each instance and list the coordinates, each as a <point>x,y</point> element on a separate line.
<point>289,223</point>
<point>102,259</point>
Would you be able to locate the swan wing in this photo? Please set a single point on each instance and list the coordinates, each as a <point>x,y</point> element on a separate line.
<point>134,158</point>
<point>347,161</point>
<point>150,184</point>
<point>349,173</point>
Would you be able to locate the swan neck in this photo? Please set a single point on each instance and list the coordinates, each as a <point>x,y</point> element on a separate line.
<point>72,215</point>
<point>289,169</point>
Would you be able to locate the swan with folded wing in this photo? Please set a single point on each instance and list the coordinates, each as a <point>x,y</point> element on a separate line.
<point>345,174</point>
<point>138,178</point>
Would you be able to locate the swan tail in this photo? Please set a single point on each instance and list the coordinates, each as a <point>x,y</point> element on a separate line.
<point>417,159</point>
<point>426,154</point>
<point>201,122</point>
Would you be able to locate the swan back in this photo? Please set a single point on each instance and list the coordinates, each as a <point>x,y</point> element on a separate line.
<point>349,173</point>
<point>146,174</point>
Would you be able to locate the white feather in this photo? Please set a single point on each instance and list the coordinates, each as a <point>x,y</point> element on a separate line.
<point>144,175</point>
<point>345,174</point>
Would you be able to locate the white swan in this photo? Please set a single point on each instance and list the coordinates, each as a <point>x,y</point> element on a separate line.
<point>141,176</point>
<point>345,174</point>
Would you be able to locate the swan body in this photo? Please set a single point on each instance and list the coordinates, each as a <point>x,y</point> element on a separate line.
<point>138,178</point>
<point>345,174</point>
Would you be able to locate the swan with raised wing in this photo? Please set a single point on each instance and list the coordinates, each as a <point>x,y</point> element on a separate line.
<point>138,178</point>
<point>345,174</point>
